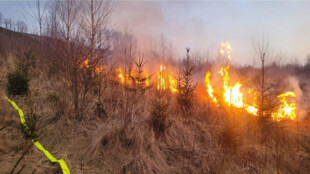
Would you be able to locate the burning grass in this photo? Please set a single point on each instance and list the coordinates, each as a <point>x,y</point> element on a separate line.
<point>222,134</point>
<point>232,96</point>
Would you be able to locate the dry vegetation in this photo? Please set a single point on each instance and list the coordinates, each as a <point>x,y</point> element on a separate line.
<point>97,124</point>
<point>122,139</point>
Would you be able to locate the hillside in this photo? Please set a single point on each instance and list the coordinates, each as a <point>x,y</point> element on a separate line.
<point>115,131</point>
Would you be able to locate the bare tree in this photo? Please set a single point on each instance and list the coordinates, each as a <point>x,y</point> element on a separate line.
<point>263,52</point>
<point>82,27</point>
<point>21,26</point>
<point>94,18</point>
<point>52,20</point>
<point>267,102</point>
<point>165,49</point>
<point>6,23</point>
<point>94,23</point>
<point>69,51</point>
<point>38,13</point>
<point>124,51</point>
<point>1,19</point>
<point>68,12</point>
<point>68,20</point>
<point>11,26</point>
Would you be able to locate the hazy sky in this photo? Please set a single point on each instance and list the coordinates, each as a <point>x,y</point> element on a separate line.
<point>204,25</point>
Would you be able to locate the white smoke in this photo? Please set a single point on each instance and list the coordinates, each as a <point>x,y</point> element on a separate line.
<point>301,96</point>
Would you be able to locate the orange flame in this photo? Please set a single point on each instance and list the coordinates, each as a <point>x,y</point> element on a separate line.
<point>121,75</point>
<point>99,69</point>
<point>166,80</point>
<point>231,94</point>
<point>147,79</point>
<point>252,108</point>
<point>85,63</point>
<point>125,78</point>
<point>286,110</point>
<point>209,87</point>
<point>233,97</point>
<point>161,80</point>
<point>172,83</point>
<point>226,50</point>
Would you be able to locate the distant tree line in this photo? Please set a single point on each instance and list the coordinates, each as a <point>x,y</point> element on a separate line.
<point>8,23</point>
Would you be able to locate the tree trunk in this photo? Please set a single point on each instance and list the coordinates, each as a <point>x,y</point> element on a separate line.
<point>262,85</point>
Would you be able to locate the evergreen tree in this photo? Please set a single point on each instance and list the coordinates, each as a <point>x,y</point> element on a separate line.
<point>140,78</point>
<point>185,87</point>
<point>159,113</point>
<point>18,81</point>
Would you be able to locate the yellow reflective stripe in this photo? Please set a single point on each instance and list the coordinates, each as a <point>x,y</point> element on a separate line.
<point>21,114</point>
<point>61,162</point>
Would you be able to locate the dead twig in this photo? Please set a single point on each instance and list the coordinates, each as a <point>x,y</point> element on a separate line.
<point>19,160</point>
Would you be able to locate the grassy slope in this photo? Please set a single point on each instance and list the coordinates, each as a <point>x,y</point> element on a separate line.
<point>212,140</point>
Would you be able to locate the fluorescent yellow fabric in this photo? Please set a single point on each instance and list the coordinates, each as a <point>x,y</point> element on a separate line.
<point>62,163</point>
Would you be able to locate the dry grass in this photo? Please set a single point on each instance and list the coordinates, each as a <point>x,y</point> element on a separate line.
<point>124,142</point>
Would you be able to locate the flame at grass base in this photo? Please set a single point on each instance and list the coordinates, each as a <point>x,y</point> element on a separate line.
<point>61,162</point>
<point>166,80</point>
<point>232,96</point>
<point>209,87</point>
<point>286,110</point>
